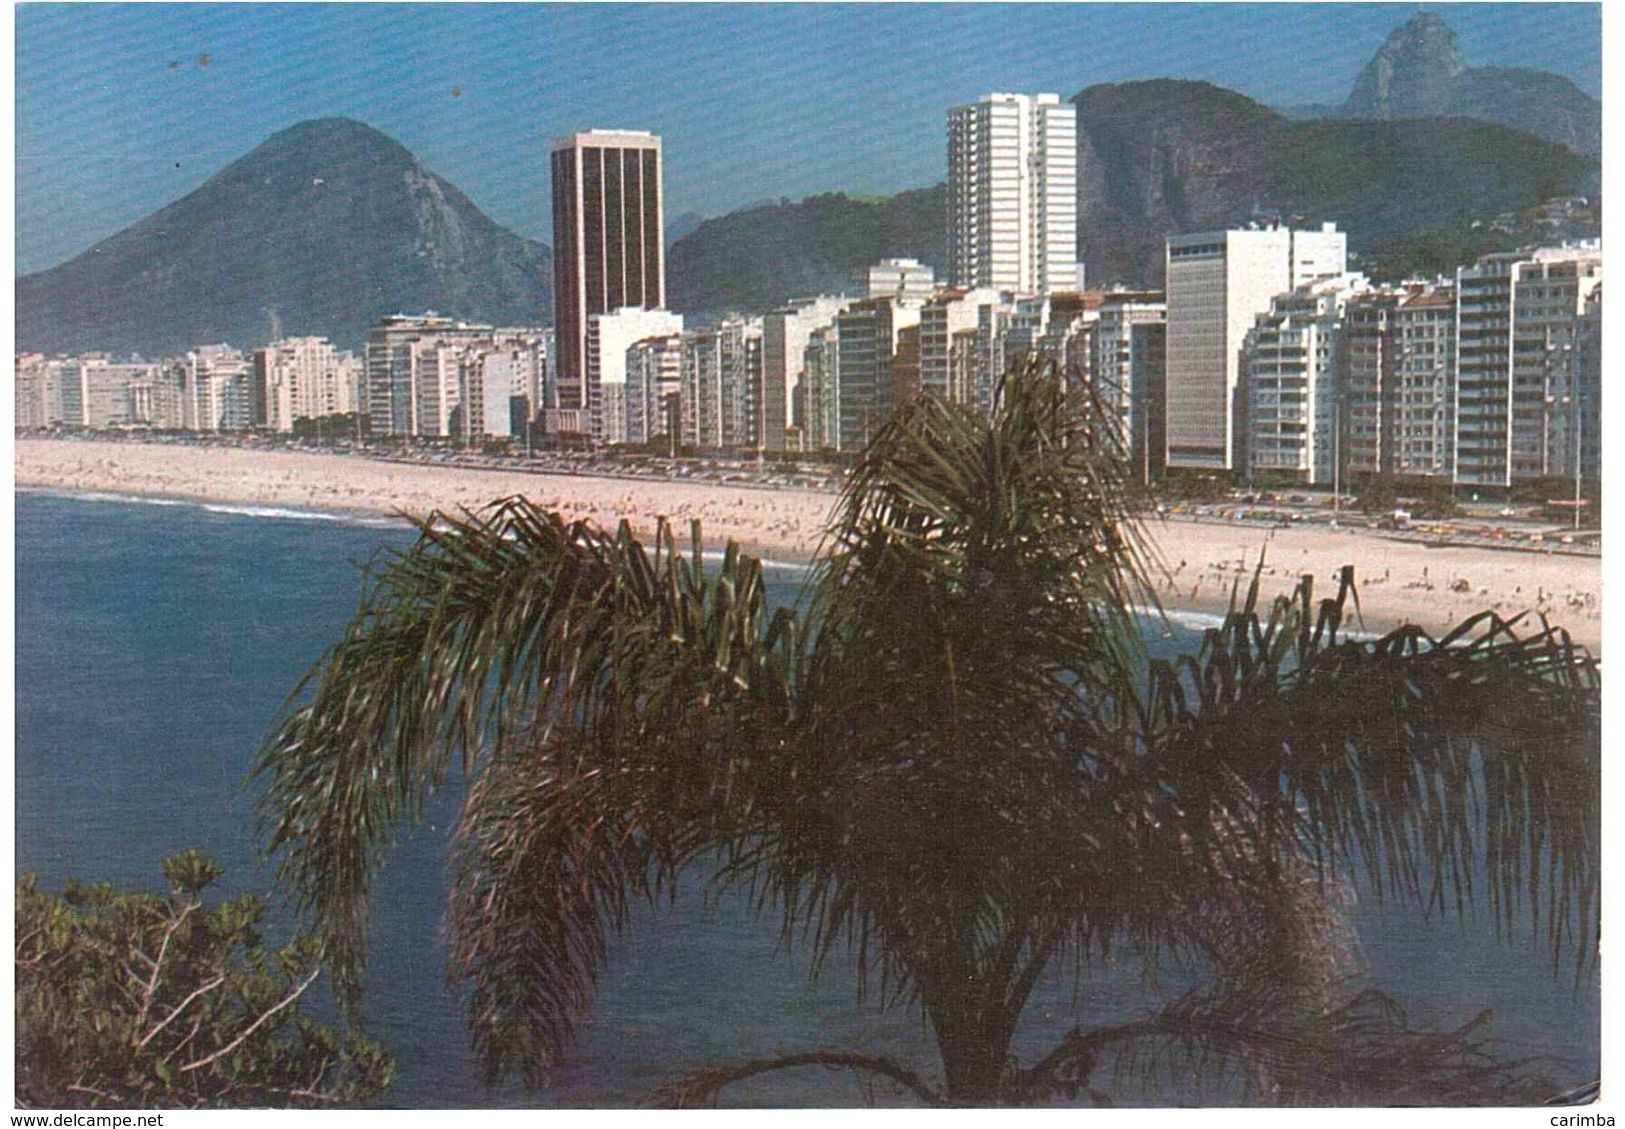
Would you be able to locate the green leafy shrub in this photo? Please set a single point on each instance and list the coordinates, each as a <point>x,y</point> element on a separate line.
<point>139,999</point>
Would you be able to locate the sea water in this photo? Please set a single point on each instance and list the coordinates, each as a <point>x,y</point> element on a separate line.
<point>155,644</point>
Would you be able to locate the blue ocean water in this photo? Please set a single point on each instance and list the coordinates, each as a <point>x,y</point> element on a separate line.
<point>155,642</point>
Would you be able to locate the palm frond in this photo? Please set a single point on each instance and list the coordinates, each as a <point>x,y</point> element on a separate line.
<point>1363,1051</point>
<point>494,624</point>
<point>1416,761</point>
<point>957,764</point>
<point>701,1088</point>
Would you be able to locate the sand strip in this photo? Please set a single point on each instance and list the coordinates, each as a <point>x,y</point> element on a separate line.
<point>1400,582</point>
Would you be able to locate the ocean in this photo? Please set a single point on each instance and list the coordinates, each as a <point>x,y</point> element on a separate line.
<point>155,641</point>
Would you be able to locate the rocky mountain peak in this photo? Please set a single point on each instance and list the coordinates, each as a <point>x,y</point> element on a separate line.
<point>1412,75</point>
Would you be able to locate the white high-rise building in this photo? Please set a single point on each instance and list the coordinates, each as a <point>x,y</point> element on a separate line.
<point>397,348</point>
<point>438,381</point>
<point>785,333</point>
<point>1012,194</point>
<point>214,382</point>
<point>1127,366</point>
<point>654,383</point>
<point>1521,412</point>
<point>944,370</point>
<point>609,336</point>
<point>1294,360</point>
<point>1218,282</point>
<point>301,378</point>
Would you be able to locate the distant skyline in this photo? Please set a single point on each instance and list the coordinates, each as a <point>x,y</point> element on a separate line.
<point>122,109</point>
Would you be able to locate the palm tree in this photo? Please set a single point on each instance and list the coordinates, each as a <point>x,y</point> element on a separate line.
<point>953,760</point>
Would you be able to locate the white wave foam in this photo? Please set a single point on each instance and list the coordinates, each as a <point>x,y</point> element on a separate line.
<point>716,555</point>
<point>280,513</point>
<point>107,496</point>
<point>1201,621</point>
<point>1193,621</point>
<point>271,512</point>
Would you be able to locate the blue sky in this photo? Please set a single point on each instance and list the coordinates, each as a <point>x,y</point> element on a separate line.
<point>754,101</point>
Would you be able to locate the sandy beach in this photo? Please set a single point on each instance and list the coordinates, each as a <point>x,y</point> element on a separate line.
<point>1400,581</point>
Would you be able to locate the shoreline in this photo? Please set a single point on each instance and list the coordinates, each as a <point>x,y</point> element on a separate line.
<point>1434,586</point>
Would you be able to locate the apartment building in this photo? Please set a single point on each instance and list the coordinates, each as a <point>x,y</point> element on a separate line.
<point>1217,284</point>
<point>1127,340</point>
<point>785,333</point>
<point>1521,329</point>
<point>1012,194</point>
<point>609,336</point>
<point>1293,362</point>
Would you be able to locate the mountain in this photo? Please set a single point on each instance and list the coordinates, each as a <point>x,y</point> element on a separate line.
<point>1165,156</point>
<point>1537,102</point>
<point>322,229</point>
<point>1172,156</point>
<point>1412,75</point>
<point>1162,157</point>
<point>757,257</point>
<point>681,224</point>
<point>1309,111</point>
<point>1419,72</point>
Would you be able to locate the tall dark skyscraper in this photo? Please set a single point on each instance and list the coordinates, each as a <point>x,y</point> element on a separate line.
<point>607,240</point>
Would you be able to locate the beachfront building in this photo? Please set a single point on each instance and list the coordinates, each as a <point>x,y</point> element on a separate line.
<point>1520,406</point>
<point>785,333</point>
<point>907,280</point>
<point>499,381</point>
<point>214,389</point>
<point>866,346</point>
<point>608,253</point>
<point>1293,360</point>
<point>1068,337</point>
<point>301,378</point>
<point>1012,194</point>
<point>439,380</point>
<point>1422,436</point>
<point>654,383</point>
<point>609,336</point>
<point>905,366</point>
<point>817,399</point>
<point>951,325</point>
<point>1395,380</point>
<point>1218,282</point>
<point>524,353</point>
<point>1126,339</point>
<point>546,352</point>
<point>94,391</point>
<point>157,403</point>
<point>970,338</point>
<point>742,387</point>
<point>1587,440</point>
<point>36,390</point>
<point>1023,326</point>
<point>721,376</point>
<point>402,352</point>
<point>1367,381</point>
<point>489,382</point>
